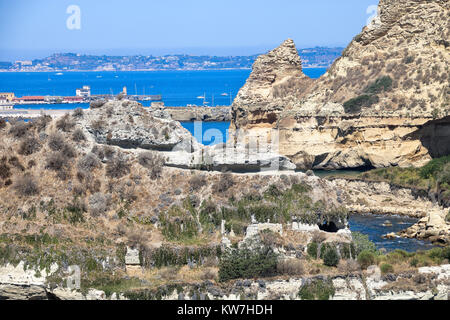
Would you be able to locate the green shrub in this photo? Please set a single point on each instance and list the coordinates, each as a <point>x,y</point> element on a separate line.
<point>247,263</point>
<point>317,290</point>
<point>366,258</point>
<point>355,105</point>
<point>362,243</point>
<point>381,84</point>
<point>386,268</point>
<point>446,253</point>
<point>312,250</point>
<point>331,257</point>
<point>432,168</point>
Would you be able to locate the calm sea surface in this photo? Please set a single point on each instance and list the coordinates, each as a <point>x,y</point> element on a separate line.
<point>372,225</point>
<point>178,88</point>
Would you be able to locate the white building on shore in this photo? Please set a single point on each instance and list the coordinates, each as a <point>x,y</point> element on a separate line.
<point>84,92</point>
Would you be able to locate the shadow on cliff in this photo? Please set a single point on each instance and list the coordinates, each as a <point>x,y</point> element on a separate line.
<point>435,136</point>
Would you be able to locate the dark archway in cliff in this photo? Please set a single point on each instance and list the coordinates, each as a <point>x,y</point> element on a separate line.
<point>328,227</point>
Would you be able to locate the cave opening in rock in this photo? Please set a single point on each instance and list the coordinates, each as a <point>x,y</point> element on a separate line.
<point>328,227</point>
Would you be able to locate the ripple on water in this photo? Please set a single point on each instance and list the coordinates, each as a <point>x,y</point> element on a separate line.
<point>375,227</point>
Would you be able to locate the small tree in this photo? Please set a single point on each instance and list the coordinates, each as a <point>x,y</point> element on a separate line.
<point>331,257</point>
<point>312,250</point>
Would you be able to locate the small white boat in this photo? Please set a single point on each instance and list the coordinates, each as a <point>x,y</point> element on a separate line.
<point>59,74</point>
<point>224,94</point>
<point>200,97</point>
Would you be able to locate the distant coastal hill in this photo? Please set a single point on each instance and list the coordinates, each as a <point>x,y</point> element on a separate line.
<point>317,57</point>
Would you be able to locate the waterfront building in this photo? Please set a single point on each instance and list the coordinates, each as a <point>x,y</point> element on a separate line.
<point>28,99</point>
<point>84,92</point>
<point>8,96</point>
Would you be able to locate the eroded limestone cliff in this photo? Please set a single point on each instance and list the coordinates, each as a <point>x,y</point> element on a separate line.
<point>385,102</point>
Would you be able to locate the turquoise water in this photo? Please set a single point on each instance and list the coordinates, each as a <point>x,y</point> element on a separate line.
<point>372,225</point>
<point>208,133</point>
<point>178,88</point>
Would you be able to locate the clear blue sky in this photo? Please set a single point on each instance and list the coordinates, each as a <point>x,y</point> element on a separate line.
<point>36,28</point>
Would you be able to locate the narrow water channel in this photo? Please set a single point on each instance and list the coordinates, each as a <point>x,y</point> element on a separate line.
<point>375,227</point>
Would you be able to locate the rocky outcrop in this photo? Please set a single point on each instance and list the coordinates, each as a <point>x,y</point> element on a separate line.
<point>427,283</point>
<point>128,125</point>
<point>385,102</point>
<point>272,75</point>
<point>206,114</point>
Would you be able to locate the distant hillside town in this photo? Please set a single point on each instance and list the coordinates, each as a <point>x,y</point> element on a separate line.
<point>319,57</point>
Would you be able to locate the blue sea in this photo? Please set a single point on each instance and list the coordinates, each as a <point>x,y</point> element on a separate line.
<point>178,88</point>
<point>372,225</point>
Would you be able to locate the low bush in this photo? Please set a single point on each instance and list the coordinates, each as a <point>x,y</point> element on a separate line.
<point>348,266</point>
<point>78,113</point>
<point>41,123</point>
<point>355,105</point>
<point>15,162</point>
<point>65,123</point>
<point>386,268</point>
<point>225,182</point>
<point>197,181</point>
<point>78,135</point>
<point>19,129</point>
<point>153,162</point>
<point>317,290</point>
<point>362,243</point>
<point>89,162</point>
<point>5,171</point>
<point>432,168</point>
<point>331,257</point>
<point>291,267</point>
<point>117,167</point>
<point>98,204</point>
<point>26,186</point>
<point>56,141</point>
<point>29,146</point>
<point>2,123</point>
<point>247,263</point>
<point>58,162</point>
<point>366,258</point>
<point>381,84</point>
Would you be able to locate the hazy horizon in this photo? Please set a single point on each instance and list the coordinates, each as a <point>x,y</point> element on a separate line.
<point>36,29</point>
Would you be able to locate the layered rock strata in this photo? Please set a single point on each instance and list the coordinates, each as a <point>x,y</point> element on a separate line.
<point>385,102</point>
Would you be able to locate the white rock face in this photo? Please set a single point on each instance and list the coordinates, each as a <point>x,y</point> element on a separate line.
<point>128,124</point>
<point>132,257</point>
<point>254,229</point>
<point>298,226</point>
<point>443,271</point>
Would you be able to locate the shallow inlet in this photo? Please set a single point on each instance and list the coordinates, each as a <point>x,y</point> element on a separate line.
<point>373,226</point>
